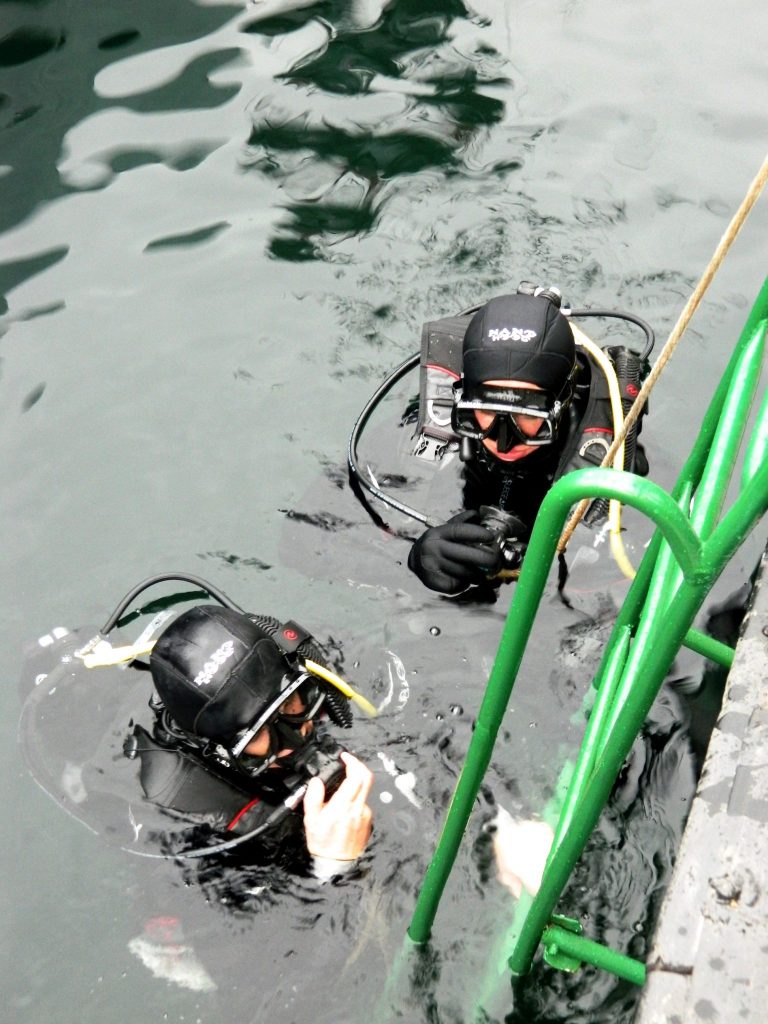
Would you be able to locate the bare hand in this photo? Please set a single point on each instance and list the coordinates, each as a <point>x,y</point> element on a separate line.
<point>521,849</point>
<point>339,829</point>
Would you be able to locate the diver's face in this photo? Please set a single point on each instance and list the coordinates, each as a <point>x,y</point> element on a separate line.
<point>259,745</point>
<point>528,425</point>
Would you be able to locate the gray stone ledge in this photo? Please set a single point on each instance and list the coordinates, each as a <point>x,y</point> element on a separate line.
<point>709,957</point>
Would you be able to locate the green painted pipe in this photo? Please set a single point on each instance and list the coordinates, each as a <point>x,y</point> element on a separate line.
<point>757,451</point>
<point>713,486</point>
<point>650,665</point>
<point>604,483</point>
<point>665,579</point>
<point>591,742</point>
<point>648,674</point>
<point>725,542</point>
<point>559,940</point>
<point>739,520</point>
<point>713,649</point>
<point>694,464</point>
<point>707,503</point>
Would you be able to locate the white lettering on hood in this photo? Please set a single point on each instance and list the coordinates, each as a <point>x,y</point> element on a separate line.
<point>511,334</point>
<point>214,663</point>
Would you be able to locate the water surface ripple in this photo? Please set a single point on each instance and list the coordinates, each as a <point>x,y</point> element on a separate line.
<point>221,224</point>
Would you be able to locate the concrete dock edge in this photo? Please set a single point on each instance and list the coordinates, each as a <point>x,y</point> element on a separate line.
<point>709,957</point>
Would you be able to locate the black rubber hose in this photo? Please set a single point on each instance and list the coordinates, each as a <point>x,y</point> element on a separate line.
<point>278,815</point>
<point>182,577</point>
<point>597,511</point>
<point>397,374</point>
<point>650,337</point>
<point>275,818</point>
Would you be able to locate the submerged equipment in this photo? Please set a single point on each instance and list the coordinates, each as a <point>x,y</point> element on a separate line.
<point>446,425</point>
<point>220,677</point>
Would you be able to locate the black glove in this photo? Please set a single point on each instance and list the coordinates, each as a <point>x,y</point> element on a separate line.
<point>452,557</point>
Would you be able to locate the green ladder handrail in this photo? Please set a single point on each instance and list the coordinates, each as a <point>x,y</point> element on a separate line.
<point>686,556</point>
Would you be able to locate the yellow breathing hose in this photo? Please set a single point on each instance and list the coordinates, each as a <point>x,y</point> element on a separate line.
<point>330,677</point>
<point>614,507</point>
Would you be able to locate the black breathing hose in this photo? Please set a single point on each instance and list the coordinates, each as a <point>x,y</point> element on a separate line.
<point>182,577</point>
<point>279,814</point>
<point>383,389</point>
<point>650,337</point>
<point>629,373</point>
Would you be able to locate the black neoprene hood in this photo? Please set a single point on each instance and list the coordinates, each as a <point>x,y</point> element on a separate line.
<point>216,670</point>
<point>519,337</point>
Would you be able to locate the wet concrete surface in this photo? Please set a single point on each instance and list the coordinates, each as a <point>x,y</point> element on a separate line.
<point>709,957</point>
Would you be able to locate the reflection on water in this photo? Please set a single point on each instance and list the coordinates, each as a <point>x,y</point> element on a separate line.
<point>13,273</point>
<point>336,157</point>
<point>222,223</point>
<point>54,67</point>
<point>23,45</point>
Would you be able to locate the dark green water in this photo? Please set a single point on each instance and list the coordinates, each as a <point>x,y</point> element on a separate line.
<point>221,226</point>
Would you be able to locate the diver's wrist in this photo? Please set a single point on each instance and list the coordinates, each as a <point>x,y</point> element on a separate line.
<point>325,868</point>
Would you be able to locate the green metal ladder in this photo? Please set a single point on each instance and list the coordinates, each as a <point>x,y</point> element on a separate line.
<point>692,544</point>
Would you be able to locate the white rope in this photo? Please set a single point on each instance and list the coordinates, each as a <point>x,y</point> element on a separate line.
<point>677,331</point>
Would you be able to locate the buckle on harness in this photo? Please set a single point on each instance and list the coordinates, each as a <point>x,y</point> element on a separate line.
<point>594,449</point>
<point>430,448</point>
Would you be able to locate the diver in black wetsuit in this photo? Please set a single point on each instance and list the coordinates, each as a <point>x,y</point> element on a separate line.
<point>237,742</point>
<point>527,410</point>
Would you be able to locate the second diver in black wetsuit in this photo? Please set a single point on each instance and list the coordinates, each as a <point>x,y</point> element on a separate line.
<point>527,408</point>
<point>238,742</point>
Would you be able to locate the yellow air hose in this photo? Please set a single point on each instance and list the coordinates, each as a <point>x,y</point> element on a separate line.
<point>614,507</point>
<point>330,677</point>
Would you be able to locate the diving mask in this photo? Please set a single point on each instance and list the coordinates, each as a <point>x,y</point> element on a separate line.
<point>504,405</point>
<point>280,722</point>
